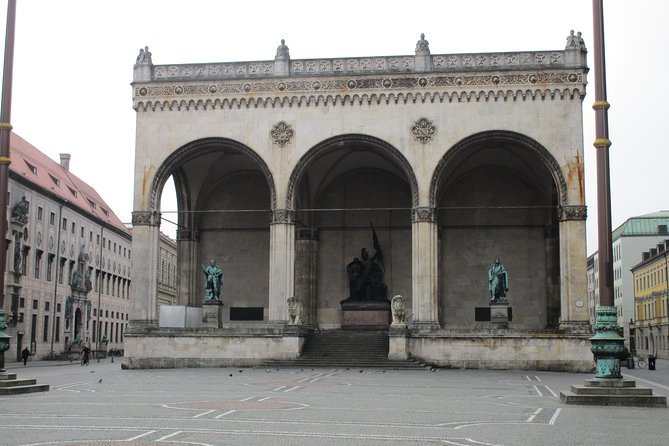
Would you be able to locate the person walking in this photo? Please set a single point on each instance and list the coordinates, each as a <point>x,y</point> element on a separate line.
<point>25,354</point>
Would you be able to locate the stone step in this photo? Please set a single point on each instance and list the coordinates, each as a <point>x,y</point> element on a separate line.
<point>17,382</point>
<point>7,376</point>
<point>614,400</point>
<point>16,390</point>
<point>587,390</point>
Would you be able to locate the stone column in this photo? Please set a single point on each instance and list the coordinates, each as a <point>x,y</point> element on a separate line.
<point>281,264</point>
<point>188,272</point>
<point>424,277</point>
<point>306,272</point>
<point>573,280</point>
<point>145,245</point>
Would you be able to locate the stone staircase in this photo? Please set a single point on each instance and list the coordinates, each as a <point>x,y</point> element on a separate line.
<point>9,385</point>
<point>347,349</point>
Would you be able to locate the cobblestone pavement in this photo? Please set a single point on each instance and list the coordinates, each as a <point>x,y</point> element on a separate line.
<point>101,404</point>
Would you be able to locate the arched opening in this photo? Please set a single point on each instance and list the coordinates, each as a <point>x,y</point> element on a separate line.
<point>223,195</point>
<point>346,191</point>
<point>497,196</point>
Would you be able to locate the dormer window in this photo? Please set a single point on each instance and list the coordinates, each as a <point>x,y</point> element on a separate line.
<point>92,203</point>
<point>55,180</point>
<point>32,168</point>
<point>72,191</point>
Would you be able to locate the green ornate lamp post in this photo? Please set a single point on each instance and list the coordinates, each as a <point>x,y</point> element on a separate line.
<point>606,343</point>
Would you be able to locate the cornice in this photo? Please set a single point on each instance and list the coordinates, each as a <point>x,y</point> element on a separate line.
<point>395,88</point>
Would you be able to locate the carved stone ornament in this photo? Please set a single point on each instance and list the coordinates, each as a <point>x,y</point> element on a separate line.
<point>186,235</point>
<point>423,130</point>
<point>282,216</point>
<point>146,218</point>
<point>423,214</point>
<point>573,213</point>
<point>282,133</point>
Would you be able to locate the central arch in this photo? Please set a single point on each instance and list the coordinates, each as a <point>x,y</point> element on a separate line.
<point>344,191</point>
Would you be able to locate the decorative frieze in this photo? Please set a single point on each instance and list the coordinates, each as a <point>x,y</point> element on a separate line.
<point>423,215</point>
<point>146,218</point>
<point>360,65</point>
<point>282,133</point>
<point>285,216</point>
<point>573,213</point>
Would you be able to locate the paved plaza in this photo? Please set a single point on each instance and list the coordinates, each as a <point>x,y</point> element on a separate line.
<point>101,404</point>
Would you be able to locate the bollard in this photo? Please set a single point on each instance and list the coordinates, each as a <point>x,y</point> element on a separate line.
<point>651,362</point>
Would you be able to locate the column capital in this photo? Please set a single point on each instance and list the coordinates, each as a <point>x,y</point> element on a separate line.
<point>187,235</point>
<point>146,218</point>
<point>282,216</point>
<point>572,213</point>
<point>423,214</point>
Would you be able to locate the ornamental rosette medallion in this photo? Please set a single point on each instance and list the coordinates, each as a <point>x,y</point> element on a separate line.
<point>282,133</point>
<point>423,130</point>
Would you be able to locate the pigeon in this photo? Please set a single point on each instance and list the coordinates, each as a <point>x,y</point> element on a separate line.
<point>359,371</point>
<point>231,374</point>
<point>100,381</point>
<point>241,371</point>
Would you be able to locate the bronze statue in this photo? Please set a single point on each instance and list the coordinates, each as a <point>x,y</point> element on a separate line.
<point>213,282</point>
<point>366,275</point>
<point>498,281</point>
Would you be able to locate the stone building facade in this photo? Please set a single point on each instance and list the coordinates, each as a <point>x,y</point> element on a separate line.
<point>442,162</point>
<point>67,275</point>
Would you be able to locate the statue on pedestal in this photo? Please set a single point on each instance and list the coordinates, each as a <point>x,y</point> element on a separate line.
<point>398,311</point>
<point>213,282</point>
<point>498,281</point>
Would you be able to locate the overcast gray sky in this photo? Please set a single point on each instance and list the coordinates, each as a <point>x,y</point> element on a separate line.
<point>73,68</point>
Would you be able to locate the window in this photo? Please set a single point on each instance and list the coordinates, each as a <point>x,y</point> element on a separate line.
<point>97,239</point>
<point>45,333</point>
<point>58,308</point>
<point>64,226</point>
<point>24,260</point>
<point>55,180</point>
<point>32,168</point>
<point>73,228</point>
<point>22,302</point>
<point>49,267</point>
<point>47,305</point>
<point>62,267</point>
<point>35,304</point>
<point>40,213</point>
<point>57,328</point>
<point>52,218</point>
<point>90,236</point>
<point>38,262</point>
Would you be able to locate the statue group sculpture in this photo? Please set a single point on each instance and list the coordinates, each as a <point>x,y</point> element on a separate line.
<point>498,281</point>
<point>20,211</point>
<point>366,275</point>
<point>213,282</point>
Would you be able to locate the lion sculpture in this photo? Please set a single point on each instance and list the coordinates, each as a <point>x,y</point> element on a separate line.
<point>398,310</point>
<point>294,311</point>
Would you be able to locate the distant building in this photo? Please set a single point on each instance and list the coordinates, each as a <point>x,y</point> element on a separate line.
<point>630,240</point>
<point>67,276</point>
<point>167,276</point>
<point>651,310</point>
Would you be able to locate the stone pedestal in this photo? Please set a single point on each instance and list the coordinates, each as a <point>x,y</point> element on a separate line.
<point>212,313</point>
<point>499,313</point>
<point>398,342</point>
<point>365,315</point>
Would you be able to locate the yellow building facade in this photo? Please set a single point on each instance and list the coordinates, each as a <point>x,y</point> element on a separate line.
<point>651,314</point>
